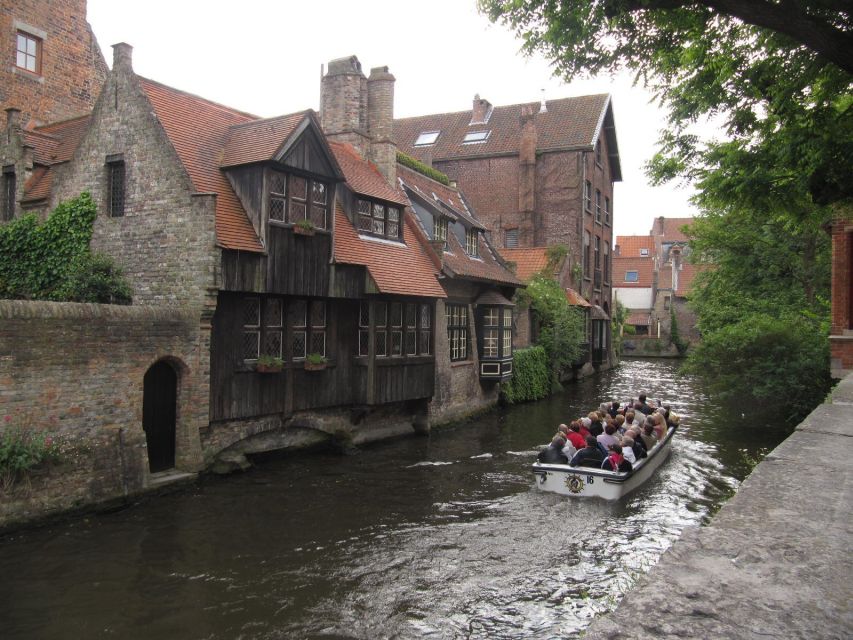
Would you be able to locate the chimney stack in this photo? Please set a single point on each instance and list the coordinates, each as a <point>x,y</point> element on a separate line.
<point>380,122</point>
<point>527,179</point>
<point>122,56</point>
<point>481,111</point>
<point>343,103</point>
<point>13,116</point>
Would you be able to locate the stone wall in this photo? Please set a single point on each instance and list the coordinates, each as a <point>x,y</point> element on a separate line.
<point>73,68</point>
<point>75,372</point>
<point>165,241</point>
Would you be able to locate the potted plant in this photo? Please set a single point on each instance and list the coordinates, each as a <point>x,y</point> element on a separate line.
<point>269,364</point>
<point>304,228</point>
<point>315,362</point>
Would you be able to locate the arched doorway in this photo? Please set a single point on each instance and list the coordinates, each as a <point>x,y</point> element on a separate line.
<point>159,412</point>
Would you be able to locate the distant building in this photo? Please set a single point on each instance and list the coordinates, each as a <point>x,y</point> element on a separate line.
<point>841,333</point>
<point>653,278</point>
<point>539,175</point>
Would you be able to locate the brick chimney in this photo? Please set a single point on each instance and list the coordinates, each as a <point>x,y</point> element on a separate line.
<point>527,179</point>
<point>343,103</point>
<point>481,111</point>
<point>380,121</point>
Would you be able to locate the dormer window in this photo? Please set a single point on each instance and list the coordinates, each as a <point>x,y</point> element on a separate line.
<point>293,198</point>
<point>427,138</point>
<point>379,219</point>
<point>440,229</point>
<point>476,136</point>
<point>471,244</point>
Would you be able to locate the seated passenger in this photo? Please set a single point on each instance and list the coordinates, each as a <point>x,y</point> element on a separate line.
<point>553,453</point>
<point>615,461</point>
<point>585,424</point>
<point>639,446</point>
<point>575,437</point>
<point>649,437</point>
<point>656,426</point>
<point>607,438</point>
<point>614,409</point>
<point>619,421</point>
<point>590,453</point>
<point>595,427</point>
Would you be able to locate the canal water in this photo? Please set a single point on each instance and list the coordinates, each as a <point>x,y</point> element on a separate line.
<point>443,536</point>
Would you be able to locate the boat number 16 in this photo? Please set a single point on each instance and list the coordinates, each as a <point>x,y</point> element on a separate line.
<point>590,479</point>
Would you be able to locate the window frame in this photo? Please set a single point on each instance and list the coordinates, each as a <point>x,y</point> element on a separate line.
<point>607,210</point>
<point>287,328</point>
<point>37,56</point>
<point>10,193</point>
<point>587,196</point>
<point>511,238</point>
<point>432,141</point>
<point>477,137</point>
<point>457,316</point>
<point>290,201</point>
<point>472,242</point>
<point>636,277</point>
<point>386,209</point>
<point>598,205</point>
<point>408,324</point>
<point>439,229</point>
<point>116,186</point>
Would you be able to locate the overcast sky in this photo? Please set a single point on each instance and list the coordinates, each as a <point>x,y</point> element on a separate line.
<point>264,57</point>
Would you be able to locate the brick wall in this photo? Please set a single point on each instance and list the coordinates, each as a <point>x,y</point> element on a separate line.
<point>841,337</point>
<point>165,241</point>
<point>73,68</point>
<point>76,371</point>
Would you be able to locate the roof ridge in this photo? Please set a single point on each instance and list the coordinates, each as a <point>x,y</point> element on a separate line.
<point>505,106</point>
<point>257,121</point>
<point>212,103</point>
<point>37,129</point>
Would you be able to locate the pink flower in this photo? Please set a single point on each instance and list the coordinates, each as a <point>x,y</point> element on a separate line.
<point>7,418</point>
<point>48,442</point>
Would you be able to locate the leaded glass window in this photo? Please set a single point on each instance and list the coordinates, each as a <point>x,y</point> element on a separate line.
<point>278,196</point>
<point>273,327</point>
<point>440,229</point>
<point>298,323</point>
<point>115,193</point>
<point>319,204</point>
<point>471,245</point>
<point>379,219</point>
<point>457,331</point>
<point>9,192</point>
<point>298,206</point>
<point>424,342</point>
<point>251,328</point>
<point>507,333</point>
<point>318,327</point>
<point>491,324</point>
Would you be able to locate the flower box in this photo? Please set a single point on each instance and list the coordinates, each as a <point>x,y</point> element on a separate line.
<point>303,230</point>
<point>315,366</point>
<point>268,368</point>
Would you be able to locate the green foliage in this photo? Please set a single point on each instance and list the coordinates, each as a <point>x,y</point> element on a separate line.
<point>22,450</point>
<point>675,334</point>
<point>555,254</point>
<point>266,360</point>
<point>778,362</point>
<point>562,332</point>
<point>51,260</point>
<point>531,377</point>
<point>618,326</point>
<point>420,167</point>
<point>316,358</point>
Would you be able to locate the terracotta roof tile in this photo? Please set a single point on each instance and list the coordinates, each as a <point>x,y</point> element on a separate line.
<point>629,246</point>
<point>568,123</point>
<point>643,266</point>
<point>39,186</point>
<point>401,269</point>
<point>528,262</point>
<point>672,228</point>
<point>259,140</point>
<point>363,177</point>
<point>56,142</point>
<point>430,189</point>
<point>639,318</point>
<point>485,267</point>
<point>198,130</point>
<point>575,299</point>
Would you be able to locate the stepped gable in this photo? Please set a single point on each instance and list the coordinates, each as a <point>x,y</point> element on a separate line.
<point>259,140</point>
<point>397,268</point>
<point>364,177</point>
<point>568,123</point>
<point>198,130</point>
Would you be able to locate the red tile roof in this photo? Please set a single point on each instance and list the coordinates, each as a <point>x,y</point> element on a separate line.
<point>39,186</point>
<point>198,130</point>
<point>528,262</point>
<point>569,123</point>
<point>629,246</point>
<point>363,177</point>
<point>575,299</point>
<point>259,140</point>
<point>671,228</point>
<point>396,268</point>
<point>686,277</point>
<point>639,318</point>
<point>485,267</point>
<point>643,266</point>
<point>431,190</point>
<point>56,142</point>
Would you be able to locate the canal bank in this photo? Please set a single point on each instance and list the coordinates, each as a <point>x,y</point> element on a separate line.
<point>774,562</point>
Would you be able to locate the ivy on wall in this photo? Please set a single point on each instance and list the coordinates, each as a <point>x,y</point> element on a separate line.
<point>52,260</point>
<point>531,376</point>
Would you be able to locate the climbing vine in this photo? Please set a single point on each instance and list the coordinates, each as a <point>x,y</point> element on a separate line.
<point>531,377</point>
<point>52,260</point>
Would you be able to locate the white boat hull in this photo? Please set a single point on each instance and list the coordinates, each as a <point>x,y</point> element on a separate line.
<point>588,482</point>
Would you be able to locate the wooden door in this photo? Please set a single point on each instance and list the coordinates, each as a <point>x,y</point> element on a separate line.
<point>159,404</point>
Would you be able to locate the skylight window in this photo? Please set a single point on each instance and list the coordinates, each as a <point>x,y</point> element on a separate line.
<point>476,136</point>
<point>644,252</point>
<point>427,138</point>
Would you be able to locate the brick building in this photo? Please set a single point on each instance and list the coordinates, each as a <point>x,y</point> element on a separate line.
<point>373,290</point>
<point>841,332</point>
<point>539,174</point>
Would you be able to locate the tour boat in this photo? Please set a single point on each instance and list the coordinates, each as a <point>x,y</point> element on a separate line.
<point>590,482</point>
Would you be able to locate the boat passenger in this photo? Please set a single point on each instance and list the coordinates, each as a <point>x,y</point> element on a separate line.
<point>614,409</point>
<point>642,405</point>
<point>639,447</point>
<point>553,453</point>
<point>585,423</point>
<point>630,418</point>
<point>648,436</point>
<point>628,449</point>
<point>591,452</point>
<point>575,436</point>
<point>607,438</point>
<point>595,427</point>
<point>619,421</point>
<point>656,426</point>
<point>615,461</point>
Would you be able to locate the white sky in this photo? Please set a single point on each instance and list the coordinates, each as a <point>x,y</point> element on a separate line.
<point>264,57</point>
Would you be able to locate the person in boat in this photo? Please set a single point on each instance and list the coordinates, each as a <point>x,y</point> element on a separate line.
<point>614,409</point>
<point>590,453</point>
<point>595,427</point>
<point>615,461</point>
<point>619,421</point>
<point>630,418</point>
<point>553,453</point>
<point>648,437</point>
<point>585,424</point>
<point>637,446</point>
<point>607,438</point>
<point>657,426</point>
<point>642,405</point>
<point>627,445</point>
<point>575,437</point>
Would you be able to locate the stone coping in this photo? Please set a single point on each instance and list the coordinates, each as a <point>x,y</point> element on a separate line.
<point>17,309</point>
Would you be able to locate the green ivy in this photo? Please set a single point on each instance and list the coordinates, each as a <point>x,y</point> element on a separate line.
<point>52,260</point>
<point>420,167</point>
<point>531,376</point>
<point>22,450</point>
<point>675,334</point>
